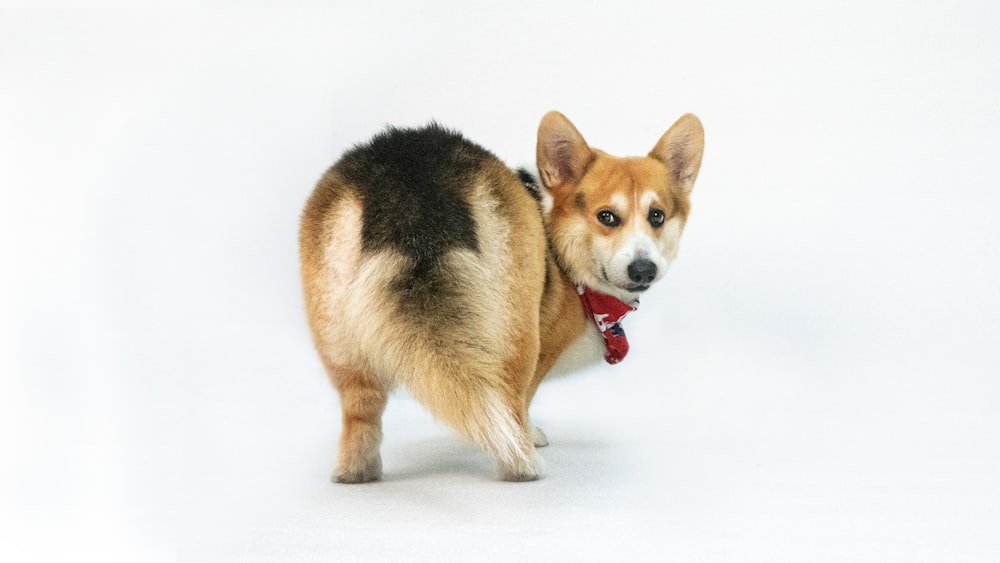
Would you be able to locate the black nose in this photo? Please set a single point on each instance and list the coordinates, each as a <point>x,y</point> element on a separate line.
<point>642,271</point>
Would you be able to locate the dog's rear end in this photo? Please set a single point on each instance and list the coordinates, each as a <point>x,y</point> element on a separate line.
<point>396,242</point>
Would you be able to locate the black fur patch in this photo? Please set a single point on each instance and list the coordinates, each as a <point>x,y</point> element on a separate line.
<point>580,201</point>
<point>415,188</point>
<point>530,183</point>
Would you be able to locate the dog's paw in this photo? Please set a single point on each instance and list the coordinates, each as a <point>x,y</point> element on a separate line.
<point>350,475</point>
<point>520,477</point>
<point>529,469</point>
<point>538,437</point>
<point>353,477</point>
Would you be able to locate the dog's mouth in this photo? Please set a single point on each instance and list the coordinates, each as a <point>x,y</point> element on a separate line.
<point>631,288</point>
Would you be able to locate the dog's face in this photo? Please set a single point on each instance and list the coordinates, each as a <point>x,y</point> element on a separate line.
<point>616,223</point>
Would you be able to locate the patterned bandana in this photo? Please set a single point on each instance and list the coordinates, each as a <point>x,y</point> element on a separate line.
<point>607,312</point>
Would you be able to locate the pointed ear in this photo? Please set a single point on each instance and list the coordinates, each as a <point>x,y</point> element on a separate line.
<point>562,154</point>
<point>680,149</point>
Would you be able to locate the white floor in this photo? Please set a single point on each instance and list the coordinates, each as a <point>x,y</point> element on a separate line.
<point>818,379</point>
<point>708,444</point>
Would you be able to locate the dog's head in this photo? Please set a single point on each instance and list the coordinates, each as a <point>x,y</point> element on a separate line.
<point>615,223</point>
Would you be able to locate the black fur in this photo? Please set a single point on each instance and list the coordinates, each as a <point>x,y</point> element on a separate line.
<point>530,183</point>
<point>415,185</point>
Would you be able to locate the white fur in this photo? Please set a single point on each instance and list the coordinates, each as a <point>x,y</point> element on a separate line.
<point>547,201</point>
<point>670,239</point>
<point>647,199</point>
<point>538,438</point>
<point>587,350</point>
<point>638,246</point>
<point>641,244</point>
<point>619,203</point>
<point>501,435</point>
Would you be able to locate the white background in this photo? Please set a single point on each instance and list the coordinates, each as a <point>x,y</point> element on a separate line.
<point>816,380</point>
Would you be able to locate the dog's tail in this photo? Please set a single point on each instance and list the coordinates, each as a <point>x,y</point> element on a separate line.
<point>482,411</point>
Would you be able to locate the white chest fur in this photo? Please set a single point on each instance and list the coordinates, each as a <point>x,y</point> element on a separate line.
<point>587,350</point>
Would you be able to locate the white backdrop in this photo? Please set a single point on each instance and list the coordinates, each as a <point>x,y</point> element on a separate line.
<point>816,380</point>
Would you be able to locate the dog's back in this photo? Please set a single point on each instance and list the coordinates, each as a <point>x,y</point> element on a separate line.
<point>423,264</point>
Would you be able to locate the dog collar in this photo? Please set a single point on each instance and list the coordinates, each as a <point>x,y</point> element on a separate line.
<point>607,312</point>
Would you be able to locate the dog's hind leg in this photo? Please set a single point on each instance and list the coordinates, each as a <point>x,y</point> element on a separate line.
<point>504,433</point>
<point>362,400</point>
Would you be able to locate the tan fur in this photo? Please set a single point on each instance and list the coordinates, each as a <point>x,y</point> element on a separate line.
<point>574,173</point>
<point>479,370</point>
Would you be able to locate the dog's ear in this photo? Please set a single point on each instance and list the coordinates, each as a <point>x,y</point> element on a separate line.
<point>562,154</point>
<point>680,149</point>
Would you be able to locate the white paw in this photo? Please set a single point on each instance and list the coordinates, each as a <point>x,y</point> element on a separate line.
<point>529,469</point>
<point>538,437</point>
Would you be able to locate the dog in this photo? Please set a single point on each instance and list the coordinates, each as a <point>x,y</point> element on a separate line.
<point>426,262</point>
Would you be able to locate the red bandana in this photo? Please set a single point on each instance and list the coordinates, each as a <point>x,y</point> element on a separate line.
<point>607,312</point>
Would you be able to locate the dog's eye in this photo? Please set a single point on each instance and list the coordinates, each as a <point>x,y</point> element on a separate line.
<point>656,217</point>
<point>608,218</point>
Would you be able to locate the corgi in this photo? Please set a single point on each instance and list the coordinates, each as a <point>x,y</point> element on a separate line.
<point>427,263</point>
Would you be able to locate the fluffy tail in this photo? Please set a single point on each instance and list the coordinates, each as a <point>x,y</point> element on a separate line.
<point>480,410</point>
